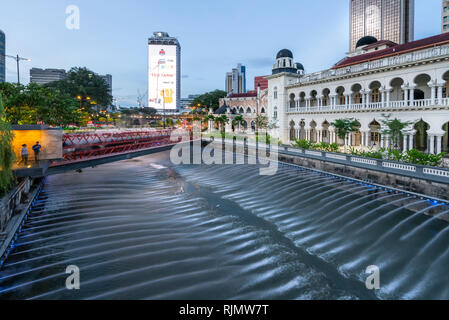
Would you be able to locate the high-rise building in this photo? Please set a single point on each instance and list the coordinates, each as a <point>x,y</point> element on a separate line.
<point>164,72</point>
<point>391,20</point>
<point>108,79</point>
<point>445,17</point>
<point>2,57</point>
<point>43,76</point>
<point>236,80</point>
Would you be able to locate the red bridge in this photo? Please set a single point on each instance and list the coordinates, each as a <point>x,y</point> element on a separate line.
<point>79,147</point>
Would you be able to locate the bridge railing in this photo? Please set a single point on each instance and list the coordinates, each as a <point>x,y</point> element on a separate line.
<point>86,146</point>
<point>100,139</point>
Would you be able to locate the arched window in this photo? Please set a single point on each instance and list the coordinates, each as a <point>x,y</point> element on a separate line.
<point>375,95</point>
<point>275,114</point>
<point>275,93</point>
<point>263,110</point>
<point>248,110</point>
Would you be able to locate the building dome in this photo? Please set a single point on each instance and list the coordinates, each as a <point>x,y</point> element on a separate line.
<point>366,41</point>
<point>299,66</point>
<point>284,53</point>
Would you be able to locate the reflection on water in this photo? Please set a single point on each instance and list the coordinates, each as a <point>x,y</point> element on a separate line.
<point>143,229</point>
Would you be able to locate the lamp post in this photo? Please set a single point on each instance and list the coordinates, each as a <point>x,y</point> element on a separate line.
<point>18,59</point>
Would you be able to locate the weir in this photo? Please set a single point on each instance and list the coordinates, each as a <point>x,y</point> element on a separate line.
<point>143,228</point>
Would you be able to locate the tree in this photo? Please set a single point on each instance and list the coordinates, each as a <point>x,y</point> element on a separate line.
<point>7,156</point>
<point>261,122</point>
<point>85,86</point>
<point>210,99</point>
<point>169,122</point>
<point>395,129</point>
<point>33,104</point>
<point>222,120</point>
<point>345,126</point>
<point>239,121</point>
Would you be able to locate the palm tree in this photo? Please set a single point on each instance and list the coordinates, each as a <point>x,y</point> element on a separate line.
<point>395,129</point>
<point>208,118</point>
<point>239,121</point>
<point>222,120</point>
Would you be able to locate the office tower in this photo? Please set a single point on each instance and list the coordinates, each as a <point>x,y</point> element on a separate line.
<point>445,16</point>
<point>236,80</point>
<point>43,76</point>
<point>164,72</point>
<point>383,19</point>
<point>108,79</point>
<point>2,57</point>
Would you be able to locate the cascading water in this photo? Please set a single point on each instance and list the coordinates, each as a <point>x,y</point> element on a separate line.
<point>144,229</point>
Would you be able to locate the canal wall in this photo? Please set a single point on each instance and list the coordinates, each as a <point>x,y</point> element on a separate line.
<point>429,181</point>
<point>14,207</point>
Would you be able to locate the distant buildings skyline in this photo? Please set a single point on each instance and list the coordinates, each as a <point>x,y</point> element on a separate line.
<point>383,19</point>
<point>44,76</point>
<point>236,80</point>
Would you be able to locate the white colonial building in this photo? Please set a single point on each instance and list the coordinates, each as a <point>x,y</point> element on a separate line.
<point>410,82</point>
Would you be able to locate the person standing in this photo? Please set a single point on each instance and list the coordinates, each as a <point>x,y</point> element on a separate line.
<point>37,149</point>
<point>24,153</point>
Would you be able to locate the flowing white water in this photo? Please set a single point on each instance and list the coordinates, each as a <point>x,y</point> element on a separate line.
<point>144,229</point>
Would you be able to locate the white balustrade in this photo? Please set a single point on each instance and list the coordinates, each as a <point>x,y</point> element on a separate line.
<point>423,103</point>
<point>399,166</point>
<point>436,172</point>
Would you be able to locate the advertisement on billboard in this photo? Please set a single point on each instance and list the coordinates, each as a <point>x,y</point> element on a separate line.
<point>162,77</point>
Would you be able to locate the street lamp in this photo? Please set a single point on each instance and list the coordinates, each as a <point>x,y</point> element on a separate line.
<point>18,59</point>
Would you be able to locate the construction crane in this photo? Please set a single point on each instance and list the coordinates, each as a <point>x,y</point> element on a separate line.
<point>140,99</point>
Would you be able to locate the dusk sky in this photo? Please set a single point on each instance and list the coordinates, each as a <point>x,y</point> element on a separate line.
<point>214,35</point>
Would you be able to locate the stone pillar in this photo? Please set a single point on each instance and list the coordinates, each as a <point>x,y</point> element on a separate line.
<point>440,93</point>
<point>366,138</point>
<point>412,95</point>
<point>382,98</point>
<point>350,100</point>
<point>388,97</point>
<point>405,95</point>
<point>333,104</point>
<point>405,147</point>
<point>432,86</point>
<point>411,139</point>
<point>439,138</point>
<point>431,144</point>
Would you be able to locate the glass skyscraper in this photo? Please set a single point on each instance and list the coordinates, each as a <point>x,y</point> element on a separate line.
<point>383,19</point>
<point>2,57</point>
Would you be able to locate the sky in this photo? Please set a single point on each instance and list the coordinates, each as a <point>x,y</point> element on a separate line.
<point>214,35</point>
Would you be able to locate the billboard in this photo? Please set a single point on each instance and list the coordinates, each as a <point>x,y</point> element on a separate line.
<point>162,77</point>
